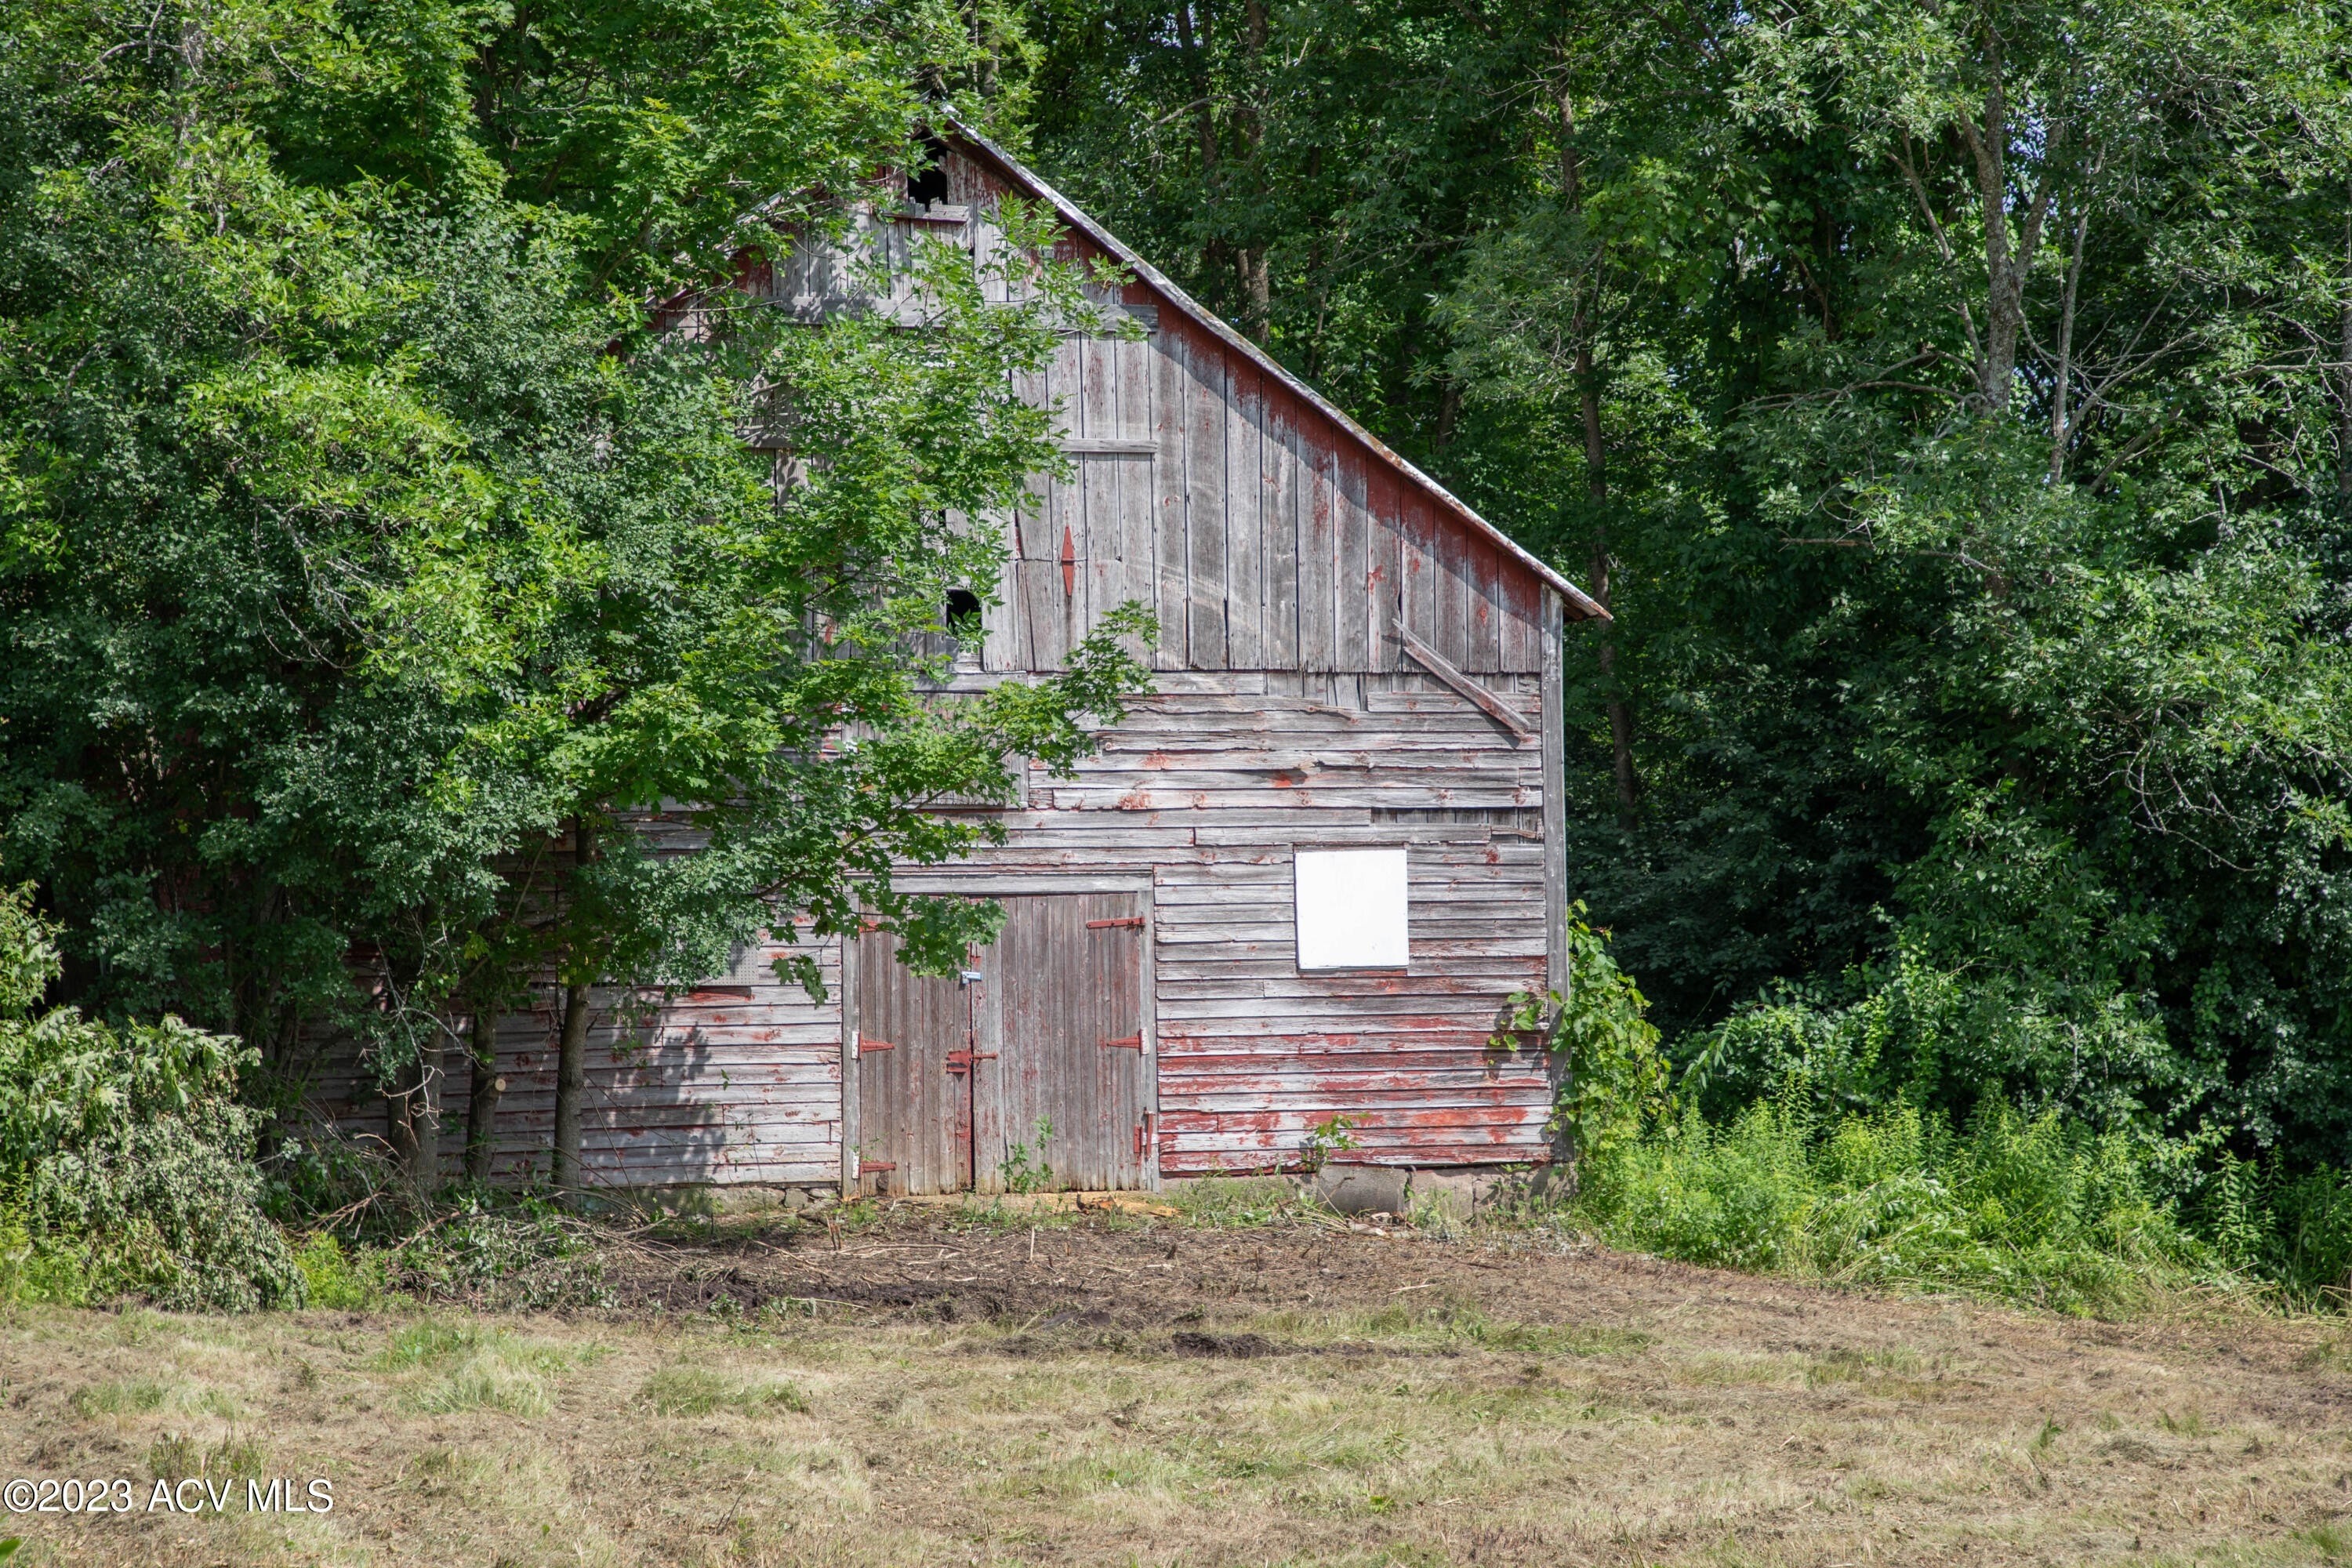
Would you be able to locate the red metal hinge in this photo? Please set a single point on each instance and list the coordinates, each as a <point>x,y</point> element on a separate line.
<point>865,1165</point>
<point>1069,563</point>
<point>865,1045</point>
<point>1135,921</point>
<point>960,1061</point>
<point>1143,1134</point>
<point>1125,1043</point>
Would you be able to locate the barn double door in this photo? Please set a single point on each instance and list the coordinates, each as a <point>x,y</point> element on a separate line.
<point>1030,1069</point>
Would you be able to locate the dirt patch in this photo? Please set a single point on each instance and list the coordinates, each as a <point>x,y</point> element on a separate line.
<point>923,1265</point>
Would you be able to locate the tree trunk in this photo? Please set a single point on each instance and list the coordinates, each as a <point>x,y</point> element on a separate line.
<point>571,1054</point>
<point>571,1086</point>
<point>1205,119</point>
<point>1449,412</point>
<point>482,1098</point>
<point>1596,489</point>
<point>1249,126</point>
<point>2060,432</point>
<point>414,1130</point>
<point>2007,263</point>
<point>1258,293</point>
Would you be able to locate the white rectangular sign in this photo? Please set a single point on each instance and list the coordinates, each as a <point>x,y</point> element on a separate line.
<point>1352,909</point>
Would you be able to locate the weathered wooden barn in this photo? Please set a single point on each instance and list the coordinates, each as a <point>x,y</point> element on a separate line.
<point>1297,884</point>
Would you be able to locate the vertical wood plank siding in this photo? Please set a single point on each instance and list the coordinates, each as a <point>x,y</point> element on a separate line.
<point>1278,551</point>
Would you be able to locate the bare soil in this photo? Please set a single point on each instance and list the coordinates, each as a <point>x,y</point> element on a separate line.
<point>936,1386</point>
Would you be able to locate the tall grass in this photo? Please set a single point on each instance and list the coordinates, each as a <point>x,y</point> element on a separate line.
<point>2035,1210</point>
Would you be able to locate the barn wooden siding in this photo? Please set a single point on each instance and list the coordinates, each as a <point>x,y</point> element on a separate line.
<point>735,1081</point>
<point>1204,793</point>
<point>1288,558</point>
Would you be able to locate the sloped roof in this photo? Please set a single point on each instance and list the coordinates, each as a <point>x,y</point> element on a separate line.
<point>1578,606</point>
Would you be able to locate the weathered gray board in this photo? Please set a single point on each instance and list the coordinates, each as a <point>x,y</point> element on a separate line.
<point>1034,1065</point>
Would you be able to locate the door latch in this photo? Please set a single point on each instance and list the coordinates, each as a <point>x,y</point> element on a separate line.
<point>969,977</point>
<point>960,1061</point>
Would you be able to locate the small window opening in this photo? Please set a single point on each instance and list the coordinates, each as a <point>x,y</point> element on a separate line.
<point>963,614</point>
<point>930,185</point>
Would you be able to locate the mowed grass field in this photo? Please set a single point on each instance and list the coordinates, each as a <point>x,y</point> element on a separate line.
<point>926,1390</point>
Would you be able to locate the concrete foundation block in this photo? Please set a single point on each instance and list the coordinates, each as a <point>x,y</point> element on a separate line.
<point>1363,1189</point>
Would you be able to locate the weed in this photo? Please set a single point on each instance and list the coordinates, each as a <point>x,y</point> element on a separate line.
<point>696,1391</point>
<point>1222,1201</point>
<point>479,1369</point>
<point>420,1344</point>
<point>1335,1136</point>
<point>1019,1173</point>
<point>119,1398</point>
<point>175,1457</point>
<point>2331,1541</point>
<point>2036,1210</point>
<point>339,1280</point>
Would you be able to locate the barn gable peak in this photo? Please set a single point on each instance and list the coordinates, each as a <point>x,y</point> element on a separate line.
<point>1576,603</point>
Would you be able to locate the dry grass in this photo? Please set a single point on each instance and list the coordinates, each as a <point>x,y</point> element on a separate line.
<point>1395,1413</point>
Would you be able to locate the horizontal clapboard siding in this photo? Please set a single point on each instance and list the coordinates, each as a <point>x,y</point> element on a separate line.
<point>1210,793</point>
<point>739,1081</point>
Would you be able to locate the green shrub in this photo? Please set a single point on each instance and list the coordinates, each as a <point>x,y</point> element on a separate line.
<point>1614,1079</point>
<point>341,1281</point>
<point>2294,1230</point>
<point>128,1161</point>
<point>1731,1196</point>
<point>2038,1210</point>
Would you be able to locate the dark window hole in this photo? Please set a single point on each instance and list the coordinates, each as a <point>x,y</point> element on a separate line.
<point>963,613</point>
<point>931,184</point>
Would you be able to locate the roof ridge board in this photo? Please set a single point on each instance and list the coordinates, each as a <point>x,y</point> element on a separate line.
<point>1077,216</point>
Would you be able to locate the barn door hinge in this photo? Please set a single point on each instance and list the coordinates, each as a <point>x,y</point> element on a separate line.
<point>865,1165</point>
<point>865,1046</point>
<point>1069,563</point>
<point>1124,1043</point>
<point>960,1061</point>
<point>1135,921</point>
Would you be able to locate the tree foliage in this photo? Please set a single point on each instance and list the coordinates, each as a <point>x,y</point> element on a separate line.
<point>1955,403</point>
<point>395,486</point>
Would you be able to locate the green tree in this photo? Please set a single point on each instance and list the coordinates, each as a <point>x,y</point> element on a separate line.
<point>1952,399</point>
<point>378,511</point>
